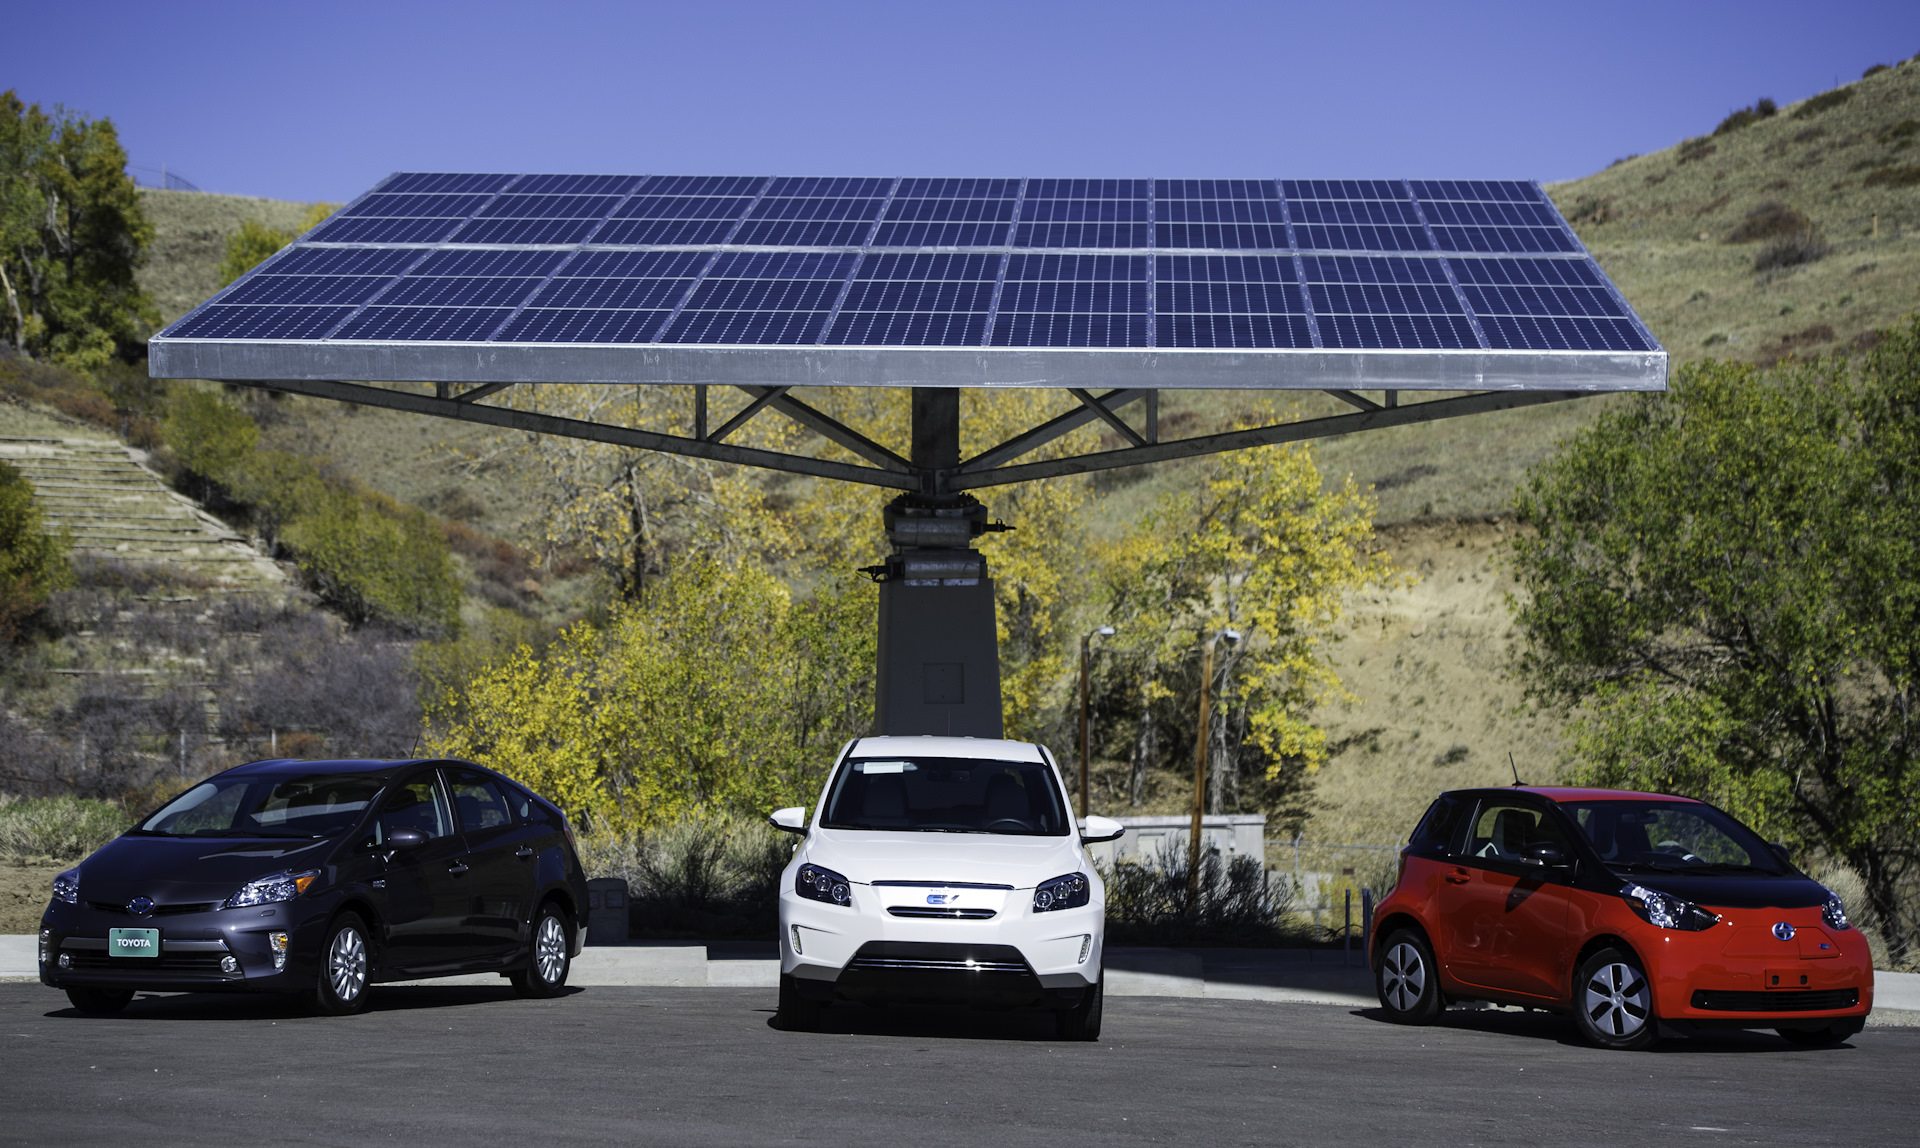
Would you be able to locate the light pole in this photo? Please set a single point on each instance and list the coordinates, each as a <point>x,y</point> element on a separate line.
<point>1200,762</point>
<point>1104,632</point>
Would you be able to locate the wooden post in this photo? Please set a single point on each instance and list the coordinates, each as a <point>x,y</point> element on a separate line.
<point>1200,774</point>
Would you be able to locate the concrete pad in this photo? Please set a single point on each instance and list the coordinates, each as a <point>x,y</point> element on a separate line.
<point>1154,973</point>
<point>20,955</point>
<point>743,974</point>
<point>1896,990</point>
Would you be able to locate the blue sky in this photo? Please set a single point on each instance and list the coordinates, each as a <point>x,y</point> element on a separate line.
<point>317,101</point>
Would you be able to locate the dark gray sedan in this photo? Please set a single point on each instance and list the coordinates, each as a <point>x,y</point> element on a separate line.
<point>320,878</point>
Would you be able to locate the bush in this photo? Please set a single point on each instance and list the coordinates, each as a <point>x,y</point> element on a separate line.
<point>1150,904</point>
<point>1892,177</point>
<point>1761,110</point>
<point>209,438</point>
<point>1825,101</point>
<point>63,828</point>
<point>702,876</point>
<point>377,561</point>
<point>1768,220</point>
<point>33,560</point>
<point>1791,252</point>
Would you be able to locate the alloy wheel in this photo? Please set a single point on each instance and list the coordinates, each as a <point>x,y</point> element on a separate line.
<point>550,949</point>
<point>347,964</point>
<point>1405,976</point>
<point>1616,999</point>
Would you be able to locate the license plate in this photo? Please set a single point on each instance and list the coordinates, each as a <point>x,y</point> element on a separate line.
<point>133,942</point>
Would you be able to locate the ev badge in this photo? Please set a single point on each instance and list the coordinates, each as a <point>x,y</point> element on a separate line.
<point>942,898</point>
<point>1783,931</point>
<point>140,906</point>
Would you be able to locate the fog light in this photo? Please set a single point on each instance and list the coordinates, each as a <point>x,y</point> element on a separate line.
<point>1086,943</point>
<point>229,965</point>
<point>66,961</point>
<point>278,943</point>
<point>796,940</point>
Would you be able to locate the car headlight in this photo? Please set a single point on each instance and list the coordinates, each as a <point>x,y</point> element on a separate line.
<point>66,887</point>
<point>1835,911</point>
<point>1069,891</point>
<point>267,890</point>
<point>817,884</point>
<point>1667,911</point>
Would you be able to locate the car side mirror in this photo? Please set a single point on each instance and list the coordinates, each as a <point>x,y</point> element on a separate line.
<point>404,838</point>
<point>792,820</point>
<point>1550,854</point>
<point>1099,828</point>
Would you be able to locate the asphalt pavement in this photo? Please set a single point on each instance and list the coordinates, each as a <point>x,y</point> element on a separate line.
<point>474,1065</point>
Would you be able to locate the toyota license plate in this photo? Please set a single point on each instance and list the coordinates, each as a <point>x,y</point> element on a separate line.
<point>133,942</point>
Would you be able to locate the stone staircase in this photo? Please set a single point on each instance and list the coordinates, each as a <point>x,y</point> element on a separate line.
<point>115,508</point>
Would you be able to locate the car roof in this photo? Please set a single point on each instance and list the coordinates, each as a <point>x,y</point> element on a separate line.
<point>292,765</point>
<point>1575,793</point>
<point>987,749</point>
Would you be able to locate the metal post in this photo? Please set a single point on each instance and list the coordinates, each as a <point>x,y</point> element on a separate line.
<point>1200,774</point>
<point>700,411</point>
<point>1084,639</point>
<point>1346,933</point>
<point>1366,925</point>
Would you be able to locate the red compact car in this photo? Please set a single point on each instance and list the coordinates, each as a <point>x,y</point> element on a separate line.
<point>1642,915</point>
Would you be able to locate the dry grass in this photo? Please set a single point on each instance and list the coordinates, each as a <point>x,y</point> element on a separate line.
<point>192,230</point>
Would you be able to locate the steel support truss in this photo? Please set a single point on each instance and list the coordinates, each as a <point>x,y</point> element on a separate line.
<point>995,466</point>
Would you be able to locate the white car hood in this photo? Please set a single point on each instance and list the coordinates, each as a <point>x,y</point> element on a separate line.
<point>864,856</point>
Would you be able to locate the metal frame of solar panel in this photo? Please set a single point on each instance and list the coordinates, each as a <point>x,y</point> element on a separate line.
<point>767,283</point>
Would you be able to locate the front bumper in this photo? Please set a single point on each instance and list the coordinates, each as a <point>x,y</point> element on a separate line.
<point>192,948</point>
<point>865,952</point>
<point>1738,974</point>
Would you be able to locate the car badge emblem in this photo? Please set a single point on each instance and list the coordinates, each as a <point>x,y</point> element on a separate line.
<point>942,898</point>
<point>1783,931</point>
<point>140,906</point>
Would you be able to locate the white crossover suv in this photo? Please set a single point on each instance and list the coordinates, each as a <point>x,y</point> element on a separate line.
<point>943,869</point>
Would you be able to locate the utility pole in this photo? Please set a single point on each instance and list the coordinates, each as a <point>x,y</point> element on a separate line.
<point>1085,745</point>
<point>1200,763</point>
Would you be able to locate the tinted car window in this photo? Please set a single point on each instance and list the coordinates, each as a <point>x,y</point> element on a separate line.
<point>1441,826</point>
<point>1669,835</point>
<point>1503,829</point>
<point>320,805</point>
<point>479,802</point>
<point>946,794</point>
<point>415,804</point>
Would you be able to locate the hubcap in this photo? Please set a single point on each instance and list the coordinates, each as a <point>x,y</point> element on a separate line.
<point>1404,976</point>
<point>1616,999</point>
<point>550,950</point>
<point>347,964</point>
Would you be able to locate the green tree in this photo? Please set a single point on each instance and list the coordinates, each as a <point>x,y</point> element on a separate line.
<point>75,235</point>
<point>250,246</point>
<point>1726,581</point>
<point>33,560</point>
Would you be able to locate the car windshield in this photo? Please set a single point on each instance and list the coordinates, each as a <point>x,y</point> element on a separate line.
<point>1671,836</point>
<point>264,805</point>
<point>947,795</point>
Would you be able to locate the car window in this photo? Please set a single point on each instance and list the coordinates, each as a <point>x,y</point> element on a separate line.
<point>1440,828</point>
<point>947,795</point>
<point>415,804</point>
<point>268,805</point>
<point>479,802</point>
<point>1669,835</point>
<point>1503,829</point>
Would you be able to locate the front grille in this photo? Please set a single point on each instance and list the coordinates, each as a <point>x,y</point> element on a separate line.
<point>935,963</point>
<point>157,910</point>
<point>944,914</point>
<point>939,885</point>
<point>1808,1000</point>
<point>172,964</point>
<point>930,956</point>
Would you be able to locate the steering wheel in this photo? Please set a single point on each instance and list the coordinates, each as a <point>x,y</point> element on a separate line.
<point>1020,825</point>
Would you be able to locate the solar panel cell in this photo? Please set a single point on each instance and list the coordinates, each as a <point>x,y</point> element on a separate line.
<point>344,230</point>
<point>637,294</point>
<point>1233,331</point>
<point>615,185</point>
<point>1503,240</point>
<point>1332,237</point>
<point>424,324</point>
<point>518,206</point>
<point>339,261</point>
<point>636,264</point>
<point>547,231</point>
<point>414,206</point>
<point>663,232</point>
<point>451,291</point>
<point>579,325</point>
<point>536,263</point>
<point>306,289</point>
<point>222,322</point>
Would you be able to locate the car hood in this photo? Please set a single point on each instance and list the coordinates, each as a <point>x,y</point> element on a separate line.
<point>189,870</point>
<point>1733,891</point>
<point>988,859</point>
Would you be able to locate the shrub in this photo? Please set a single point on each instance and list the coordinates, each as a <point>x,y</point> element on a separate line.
<point>63,828</point>
<point>1761,110</point>
<point>33,560</point>
<point>1893,177</point>
<point>209,437</point>
<point>702,876</point>
<point>1792,251</point>
<point>1696,149</point>
<point>1875,69</point>
<point>1769,219</point>
<point>1151,904</point>
<point>376,561</point>
<point>1825,101</point>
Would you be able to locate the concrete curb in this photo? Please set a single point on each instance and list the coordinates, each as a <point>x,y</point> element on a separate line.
<point>1221,974</point>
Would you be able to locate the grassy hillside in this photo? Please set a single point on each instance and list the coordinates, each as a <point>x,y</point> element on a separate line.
<point>191,233</point>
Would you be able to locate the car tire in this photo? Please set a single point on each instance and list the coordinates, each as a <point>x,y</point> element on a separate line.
<point>1408,981</point>
<point>1613,1002</point>
<point>1813,1038</point>
<point>550,962</point>
<point>99,1002</point>
<point>797,1013</point>
<point>1082,1021</point>
<point>346,968</point>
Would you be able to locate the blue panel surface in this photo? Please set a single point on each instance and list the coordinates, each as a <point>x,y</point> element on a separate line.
<point>918,300</point>
<point>347,230</point>
<point>425,324</point>
<point>306,289</point>
<point>340,261</point>
<point>221,322</point>
<point>762,297</point>
<point>415,206</point>
<point>1225,301</point>
<point>1073,301</point>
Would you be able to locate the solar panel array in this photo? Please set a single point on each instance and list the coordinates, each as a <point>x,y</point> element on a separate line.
<point>934,263</point>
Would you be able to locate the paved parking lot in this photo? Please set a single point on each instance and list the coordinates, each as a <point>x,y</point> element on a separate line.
<point>474,1065</point>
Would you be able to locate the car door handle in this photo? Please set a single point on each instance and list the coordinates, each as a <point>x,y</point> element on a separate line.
<point>524,852</point>
<point>1459,877</point>
<point>457,868</point>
